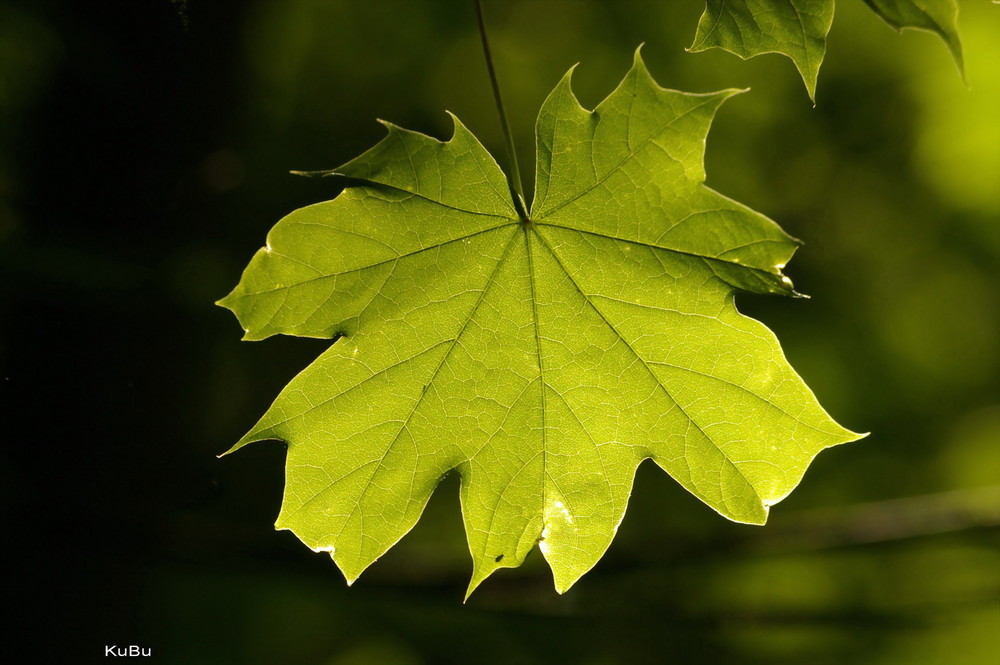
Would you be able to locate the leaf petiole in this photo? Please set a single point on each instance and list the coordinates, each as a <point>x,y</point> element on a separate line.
<point>513,173</point>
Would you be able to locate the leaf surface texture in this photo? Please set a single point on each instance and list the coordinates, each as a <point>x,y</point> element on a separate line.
<point>542,359</point>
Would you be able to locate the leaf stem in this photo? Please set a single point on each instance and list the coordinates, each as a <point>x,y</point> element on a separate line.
<point>513,172</point>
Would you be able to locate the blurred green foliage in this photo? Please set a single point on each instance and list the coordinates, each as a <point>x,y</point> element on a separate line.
<point>143,156</point>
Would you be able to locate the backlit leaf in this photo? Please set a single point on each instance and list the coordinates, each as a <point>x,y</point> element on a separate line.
<point>542,359</point>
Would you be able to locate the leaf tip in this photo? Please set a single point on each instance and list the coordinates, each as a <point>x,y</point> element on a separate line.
<point>457,127</point>
<point>785,286</point>
<point>258,433</point>
<point>478,578</point>
<point>564,576</point>
<point>483,568</point>
<point>765,512</point>
<point>350,576</point>
<point>254,335</point>
<point>723,95</point>
<point>565,86</point>
<point>638,64</point>
<point>848,436</point>
<point>224,301</point>
<point>390,126</point>
<point>233,448</point>
<point>562,586</point>
<point>729,93</point>
<point>229,303</point>
<point>317,174</point>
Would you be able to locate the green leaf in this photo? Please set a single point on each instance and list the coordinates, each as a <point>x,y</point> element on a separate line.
<point>798,28</point>
<point>544,359</point>
<point>937,16</point>
<point>795,28</point>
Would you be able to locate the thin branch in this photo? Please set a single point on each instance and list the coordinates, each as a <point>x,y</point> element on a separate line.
<point>883,521</point>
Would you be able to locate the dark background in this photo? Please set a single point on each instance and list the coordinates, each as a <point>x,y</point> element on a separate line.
<point>144,152</point>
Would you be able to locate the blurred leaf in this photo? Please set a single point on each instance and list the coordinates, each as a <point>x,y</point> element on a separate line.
<point>795,28</point>
<point>542,358</point>
<point>937,16</point>
<point>958,150</point>
<point>798,28</point>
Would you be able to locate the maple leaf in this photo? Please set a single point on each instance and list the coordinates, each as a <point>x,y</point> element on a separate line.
<point>543,358</point>
<point>798,28</point>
